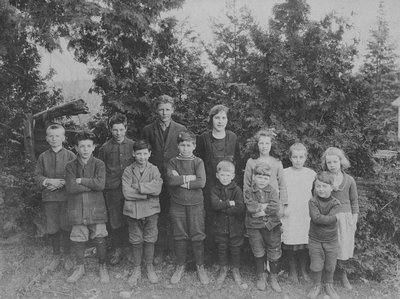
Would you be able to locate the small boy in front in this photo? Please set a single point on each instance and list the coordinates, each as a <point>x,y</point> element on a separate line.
<point>263,225</point>
<point>85,180</point>
<point>50,175</point>
<point>227,201</point>
<point>186,177</point>
<point>323,235</point>
<point>116,153</point>
<point>141,185</point>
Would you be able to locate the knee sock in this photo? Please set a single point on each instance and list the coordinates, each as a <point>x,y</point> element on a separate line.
<point>328,276</point>
<point>259,265</point>
<point>316,277</point>
<point>137,254</point>
<point>198,251</point>
<point>66,241</point>
<point>101,249</point>
<point>118,237</point>
<point>274,267</point>
<point>292,261</point>
<point>180,251</point>
<point>56,242</point>
<point>222,254</point>
<point>148,253</point>
<point>235,256</point>
<point>79,249</point>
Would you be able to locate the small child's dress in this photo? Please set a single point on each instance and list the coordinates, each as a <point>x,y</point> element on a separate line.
<point>296,225</point>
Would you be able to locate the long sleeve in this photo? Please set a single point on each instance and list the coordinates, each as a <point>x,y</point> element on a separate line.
<point>216,203</point>
<point>70,181</point>
<point>317,217</point>
<point>39,172</point>
<point>252,205</point>
<point>129,192</point>
<point>247,177</point>
<point>239,207</point>
<point>353,197</point>
<point>283,195</point>
<point>98,181</point>
<point>154,186</point>
<point>174,180</point>
<point>200,180</point>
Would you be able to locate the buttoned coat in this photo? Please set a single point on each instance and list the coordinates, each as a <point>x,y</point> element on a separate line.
<point>162,151</point>
<point>144,201</point>
<point>85,201</point>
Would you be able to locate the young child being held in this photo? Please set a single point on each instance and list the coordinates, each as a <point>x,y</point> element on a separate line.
<point>296,223</point>
<point>50,175</point>
<point>85,181</point>
<point>323,235</point>
<point>345,190</point>
<point>264,225</point>
<point>141,185</point>
<point>186,177</point>
<point>227,201</point>
<point>261,153</point>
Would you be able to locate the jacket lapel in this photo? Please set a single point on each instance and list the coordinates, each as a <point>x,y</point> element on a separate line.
<point>172,128</point>
<point>157,133</point>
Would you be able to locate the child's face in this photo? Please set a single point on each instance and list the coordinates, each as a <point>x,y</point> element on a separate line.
<point>142,156</point>
<point>55,138</point>
<point>298,159</point>
<point>85,148</point>
<point>261,180</point>
<point>165,111</point>
<point>118,132</point>
<point>264,145</point>
<point>225,177</point>
<point>323,190</point>
<point>219,121</point>
<point>186,148</point>
<point>333,163</point>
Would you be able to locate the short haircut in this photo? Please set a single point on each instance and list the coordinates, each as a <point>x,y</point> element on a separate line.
<point>325,177</point>
<point>55,127</point>
<point>186,136</point>
<point>226,166</point>
<point>117,118</point>
<point>262,168</point>
<point>297,147</point>
<point>334,151</point>
<point>214,111</point>
<point>164,99</point>
<point>84,135</point>
<point>141,144</point>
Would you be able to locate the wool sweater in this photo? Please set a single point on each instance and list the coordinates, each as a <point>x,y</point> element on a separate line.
<point>177,170</point>
<point>116,156</point>
<point>323,223</point>
<point>51,165</point>
<point>144,201</point>
<point>347,194</point>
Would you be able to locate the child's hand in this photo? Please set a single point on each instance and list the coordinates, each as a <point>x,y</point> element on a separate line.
<point>355,220</point>
<point>285,211</point>
<point>259,214</point>
<point>186,185</point>
<point>232,203</point>
<point>190,177</point>
<point>78,180</point>
<point>175,173</point>
<point>54,184</point>
<point>135,186</point>
<point>264,206</point>
<point>337,217</point>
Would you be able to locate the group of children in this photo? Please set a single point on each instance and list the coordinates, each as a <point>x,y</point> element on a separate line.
<point>159,180</point>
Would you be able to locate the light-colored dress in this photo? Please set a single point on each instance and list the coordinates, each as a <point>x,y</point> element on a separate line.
<point>299,185</point>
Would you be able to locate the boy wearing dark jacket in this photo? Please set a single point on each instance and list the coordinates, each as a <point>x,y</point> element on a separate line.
<point>227,201</point>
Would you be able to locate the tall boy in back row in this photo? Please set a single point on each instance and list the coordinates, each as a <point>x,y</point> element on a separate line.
<point>116,153</point>
<point>162,135</point>
<point>50,175</point>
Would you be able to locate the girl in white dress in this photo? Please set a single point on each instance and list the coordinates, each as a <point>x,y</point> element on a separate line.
<point>296,220</point>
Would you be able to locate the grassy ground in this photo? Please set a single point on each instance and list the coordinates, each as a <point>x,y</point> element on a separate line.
<point>22,260</point>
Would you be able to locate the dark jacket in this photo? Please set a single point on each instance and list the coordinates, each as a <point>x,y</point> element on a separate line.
<point>228,219</point>
<point>162,151</point>
<point>116,156</point>
<point>253,199</point>
<point>51,165</point>
<point>205,150</point>
<point>86,202</point>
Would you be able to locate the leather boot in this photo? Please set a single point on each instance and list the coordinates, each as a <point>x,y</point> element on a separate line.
<point>77,275</point>
<point>273,277</point>
<point>261,282</point>
<point>303,268</point>
<point>201,272</point>
<point>345,282</point>
<point>179,271</point>
<point>223,271</point>
<point>236,276</point>
<point>292,269</point>
<point>148,258</point>
<point>330,291</point>
<point>104,277</point>
<point>151,274</point>
<point>314,292</point>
